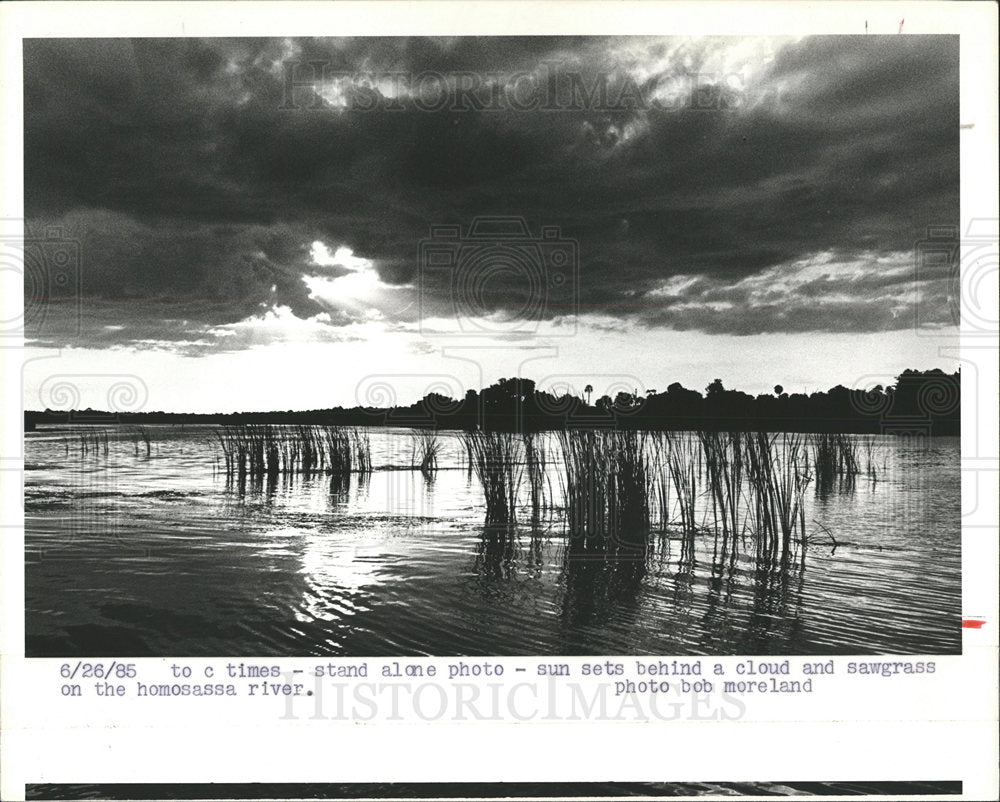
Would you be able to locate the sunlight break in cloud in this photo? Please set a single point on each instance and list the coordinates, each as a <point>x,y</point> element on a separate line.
<point>359,292</point>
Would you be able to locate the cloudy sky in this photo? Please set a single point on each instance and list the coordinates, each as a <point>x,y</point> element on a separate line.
<point>276,224</point>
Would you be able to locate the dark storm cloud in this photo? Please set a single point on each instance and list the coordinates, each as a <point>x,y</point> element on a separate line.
<point>184,173</point>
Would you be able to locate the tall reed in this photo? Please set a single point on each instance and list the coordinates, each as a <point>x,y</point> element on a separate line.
<point>257,450</point>
<point>139,435</point>
<point>426,447</point>
<point>777,471</point>
<point>677,461</point>
<point>871,456</point>
<point>632,486</point>
<point>723,454</point>
<point>497,462</point>
<point>94,441</point>
<point>536,468</point>
<point>606,485</point>
<point>835,456</point>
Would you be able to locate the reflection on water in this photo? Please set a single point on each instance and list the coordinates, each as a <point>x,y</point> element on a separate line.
<point>129,554</point>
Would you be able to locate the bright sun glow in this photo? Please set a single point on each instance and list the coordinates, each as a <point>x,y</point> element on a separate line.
<point>342,257</point>
<point>360,292</point>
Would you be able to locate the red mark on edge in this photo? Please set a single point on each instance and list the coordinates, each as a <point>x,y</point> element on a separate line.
<point>973,623</point>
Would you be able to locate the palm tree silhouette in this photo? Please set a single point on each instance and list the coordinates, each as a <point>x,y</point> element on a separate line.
<point>588,390</point>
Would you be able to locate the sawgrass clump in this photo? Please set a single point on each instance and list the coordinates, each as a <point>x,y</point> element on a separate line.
<point>257,450</point>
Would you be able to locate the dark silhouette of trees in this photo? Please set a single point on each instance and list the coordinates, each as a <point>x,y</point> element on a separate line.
<point>920,402</point>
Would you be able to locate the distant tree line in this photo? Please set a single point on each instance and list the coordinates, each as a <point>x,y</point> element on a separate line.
<point>920,402</point>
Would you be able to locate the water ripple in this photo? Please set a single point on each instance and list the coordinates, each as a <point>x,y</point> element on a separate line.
<point>128,555</point>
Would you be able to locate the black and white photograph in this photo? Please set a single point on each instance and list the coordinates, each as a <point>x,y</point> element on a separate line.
<point>492,345</point>
<point>499,400</point>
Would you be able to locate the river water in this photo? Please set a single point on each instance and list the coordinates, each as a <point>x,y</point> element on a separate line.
<point>135,555</point>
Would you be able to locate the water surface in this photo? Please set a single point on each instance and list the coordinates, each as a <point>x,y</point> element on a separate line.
<point>129,555</point>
